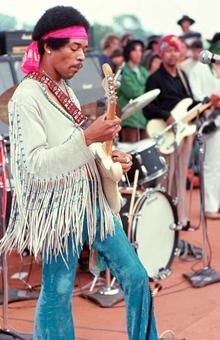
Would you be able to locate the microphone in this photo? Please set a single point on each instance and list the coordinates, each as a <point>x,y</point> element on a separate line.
<point>206,57</point>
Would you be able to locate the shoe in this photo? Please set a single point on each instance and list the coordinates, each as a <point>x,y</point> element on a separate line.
<point>212,215</point>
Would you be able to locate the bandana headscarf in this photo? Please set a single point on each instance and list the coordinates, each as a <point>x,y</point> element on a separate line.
<point>168,41</point>
<point>31,59</point>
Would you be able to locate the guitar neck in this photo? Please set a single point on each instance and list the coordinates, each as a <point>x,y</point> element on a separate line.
<point>196,112</point>
<point>110,115</point>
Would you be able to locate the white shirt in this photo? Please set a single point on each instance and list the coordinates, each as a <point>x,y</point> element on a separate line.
<point>203,83</point>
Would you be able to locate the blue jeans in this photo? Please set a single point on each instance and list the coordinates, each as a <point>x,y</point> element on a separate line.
<point>53,320</point>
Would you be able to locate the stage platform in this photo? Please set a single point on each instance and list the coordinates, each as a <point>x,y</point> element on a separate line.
<point>191,313</point>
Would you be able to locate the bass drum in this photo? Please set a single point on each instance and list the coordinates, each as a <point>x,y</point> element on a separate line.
<point>152,220</point>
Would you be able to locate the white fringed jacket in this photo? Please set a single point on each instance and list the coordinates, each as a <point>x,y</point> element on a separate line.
<point>56,182</point>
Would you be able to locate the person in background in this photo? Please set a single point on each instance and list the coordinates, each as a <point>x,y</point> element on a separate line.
<point>126,38</point>
<point>174,87</point>
<point>215,48</point>
<point>152,43</point>
<point>110,43</point>
<point>133,81</point>
<point>152,62</point>
<point>212,155</point>
<point>117,59</point>
<point>202,80</point>
<point>193,60</point>
<point>187,34</point>
<point>212,165</point>
<point>185,51</point>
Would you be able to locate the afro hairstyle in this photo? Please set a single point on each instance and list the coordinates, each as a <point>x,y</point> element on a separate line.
<point>53,19</point>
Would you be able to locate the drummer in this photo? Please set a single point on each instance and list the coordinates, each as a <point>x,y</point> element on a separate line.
<point>133,82</point>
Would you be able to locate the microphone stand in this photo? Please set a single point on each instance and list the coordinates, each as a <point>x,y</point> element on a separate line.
<point>207,274</point>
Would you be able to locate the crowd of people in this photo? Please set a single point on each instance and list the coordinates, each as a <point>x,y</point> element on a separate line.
<point>171,64</point>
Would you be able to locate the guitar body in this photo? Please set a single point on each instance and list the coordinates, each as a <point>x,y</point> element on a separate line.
<point>110,172</point>
<point>156,126</point>
<point>165,143</point>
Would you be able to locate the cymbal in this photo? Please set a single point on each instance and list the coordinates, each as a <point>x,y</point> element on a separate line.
<point>4,99</point>
<point>139,103</point>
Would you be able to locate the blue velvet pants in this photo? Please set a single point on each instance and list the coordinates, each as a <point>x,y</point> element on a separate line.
<point>53,319</point>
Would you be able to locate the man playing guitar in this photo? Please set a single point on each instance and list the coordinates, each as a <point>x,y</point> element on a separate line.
<point>174,87</point>
<point>59,202</point>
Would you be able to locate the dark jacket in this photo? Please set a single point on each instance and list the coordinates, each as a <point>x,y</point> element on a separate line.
<point>172,92</point>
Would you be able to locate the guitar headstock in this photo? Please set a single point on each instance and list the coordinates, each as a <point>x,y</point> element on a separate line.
<point>108,83</point>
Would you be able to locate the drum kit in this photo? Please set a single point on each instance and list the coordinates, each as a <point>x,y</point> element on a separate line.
<point>153,237</point>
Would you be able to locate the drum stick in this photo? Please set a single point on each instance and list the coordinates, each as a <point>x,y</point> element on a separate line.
<point>130,214</point>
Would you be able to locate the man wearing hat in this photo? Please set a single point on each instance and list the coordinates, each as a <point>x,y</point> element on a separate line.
<point>188,36</point>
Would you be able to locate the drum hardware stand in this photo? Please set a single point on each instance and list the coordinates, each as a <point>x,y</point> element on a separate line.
<point>131,208</point>
<point>106,296</point>
<point>164,273</point>
<point>207,274</point>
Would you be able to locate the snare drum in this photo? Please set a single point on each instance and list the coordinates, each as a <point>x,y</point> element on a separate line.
<point>152,221</point>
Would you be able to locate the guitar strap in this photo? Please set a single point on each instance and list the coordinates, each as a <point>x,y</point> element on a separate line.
<point>183,80</point>
<point>62,98</point>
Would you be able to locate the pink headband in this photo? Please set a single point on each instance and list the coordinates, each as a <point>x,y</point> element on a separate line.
<point>31,59</point>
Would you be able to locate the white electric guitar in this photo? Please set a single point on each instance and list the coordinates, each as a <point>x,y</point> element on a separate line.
<point>166,140</point>
<point>110,172</point>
